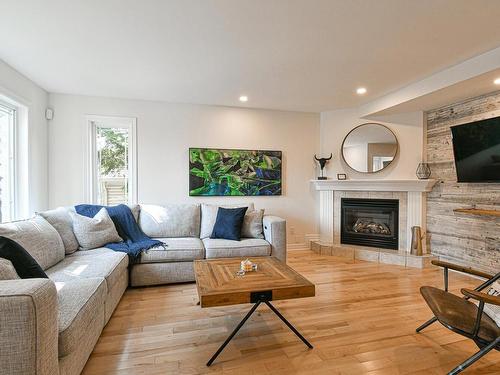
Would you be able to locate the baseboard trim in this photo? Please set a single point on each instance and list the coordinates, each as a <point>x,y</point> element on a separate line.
<point>311,237</point>
<point>305,244</point>
<point>297,246</point>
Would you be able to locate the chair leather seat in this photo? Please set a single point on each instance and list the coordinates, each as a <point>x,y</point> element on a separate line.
<point>458,313</point>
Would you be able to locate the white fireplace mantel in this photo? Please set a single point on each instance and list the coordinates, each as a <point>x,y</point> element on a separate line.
<point>374,185</point>
<point>410,193</point>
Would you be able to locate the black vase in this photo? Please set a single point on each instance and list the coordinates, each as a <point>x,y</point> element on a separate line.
<point>423,171</point>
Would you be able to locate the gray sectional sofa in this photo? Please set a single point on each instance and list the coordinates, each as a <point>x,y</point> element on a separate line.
<point>50,326</point>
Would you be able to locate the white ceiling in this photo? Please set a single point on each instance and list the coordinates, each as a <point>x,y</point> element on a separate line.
<point>299,55</point>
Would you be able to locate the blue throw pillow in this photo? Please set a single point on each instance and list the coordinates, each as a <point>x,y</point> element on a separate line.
<point>24,264</point>
<point>228,223</point>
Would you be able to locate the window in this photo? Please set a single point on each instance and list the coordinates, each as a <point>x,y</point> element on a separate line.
<point>112,167</point>
<point>8,120</point>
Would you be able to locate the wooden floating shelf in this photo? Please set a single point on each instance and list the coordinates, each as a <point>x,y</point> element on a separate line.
<point>478,212</point>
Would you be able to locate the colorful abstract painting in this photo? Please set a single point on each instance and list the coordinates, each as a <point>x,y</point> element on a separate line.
<point>220,172</point>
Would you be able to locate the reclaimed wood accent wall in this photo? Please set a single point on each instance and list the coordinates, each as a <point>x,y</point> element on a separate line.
<point>462,238</point>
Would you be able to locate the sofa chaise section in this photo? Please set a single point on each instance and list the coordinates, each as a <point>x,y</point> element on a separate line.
<point>56,324</point>
<point>28,327</point>
<point>50,326</point>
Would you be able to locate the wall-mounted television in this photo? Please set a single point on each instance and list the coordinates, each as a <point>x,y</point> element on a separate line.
<point>476,147</point>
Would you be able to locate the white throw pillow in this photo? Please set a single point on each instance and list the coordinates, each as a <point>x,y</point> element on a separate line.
<point>252,224</point>
<point>209,215</point>
<point>7,270</point>
<point>493,311</point>
<point>95,232</point>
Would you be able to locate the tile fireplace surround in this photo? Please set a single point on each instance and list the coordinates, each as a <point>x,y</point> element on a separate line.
<point>411,195</point>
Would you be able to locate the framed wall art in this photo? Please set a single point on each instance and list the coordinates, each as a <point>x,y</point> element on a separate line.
<point>230,172</point>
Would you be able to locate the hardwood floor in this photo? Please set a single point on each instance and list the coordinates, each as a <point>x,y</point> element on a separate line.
<point>361,321</point>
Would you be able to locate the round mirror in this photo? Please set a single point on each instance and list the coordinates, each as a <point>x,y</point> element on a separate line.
<point>369,148</point>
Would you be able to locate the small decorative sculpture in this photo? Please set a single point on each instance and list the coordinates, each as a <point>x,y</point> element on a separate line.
<point>322,163</point>
<point>246,266</point>
<point>423,171</point>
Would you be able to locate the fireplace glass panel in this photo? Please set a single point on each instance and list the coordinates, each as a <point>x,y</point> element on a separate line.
<point>370,222</point>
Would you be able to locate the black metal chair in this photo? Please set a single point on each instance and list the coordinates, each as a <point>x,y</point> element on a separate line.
<point>462,316</point>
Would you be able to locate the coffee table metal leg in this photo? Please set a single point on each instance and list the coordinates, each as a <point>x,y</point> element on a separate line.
<point>289,325</point>
<point>254,307</point>
<point>252,310</point>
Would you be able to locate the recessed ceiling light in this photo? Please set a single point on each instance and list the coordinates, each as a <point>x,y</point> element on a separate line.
<point>243,98</point>
<point>361,91</point>
<point>497,81</point>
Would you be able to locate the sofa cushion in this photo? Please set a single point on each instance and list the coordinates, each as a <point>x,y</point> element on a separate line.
<point>209,215</point>
<point>59,218</point>
<point>99,262</point>
<point>177,250</point>
<point>172,220</point>
<point>94,232</point>
<point>80,302</point>
<point>38,237</point>
<point>247,247</point>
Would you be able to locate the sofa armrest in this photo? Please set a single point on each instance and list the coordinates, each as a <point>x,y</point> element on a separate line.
<point>275,234</point>
<point>28,327</point>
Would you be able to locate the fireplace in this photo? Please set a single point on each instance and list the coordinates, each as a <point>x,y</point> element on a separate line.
<point>370,222</point>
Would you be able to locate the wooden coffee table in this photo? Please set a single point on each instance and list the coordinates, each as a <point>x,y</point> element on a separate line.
<point>218,285</point>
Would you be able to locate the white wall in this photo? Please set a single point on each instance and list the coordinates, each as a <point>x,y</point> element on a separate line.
<point>408,129</point>
<point>357,156</point>
<point>165,131</point>
<point>19,88</point>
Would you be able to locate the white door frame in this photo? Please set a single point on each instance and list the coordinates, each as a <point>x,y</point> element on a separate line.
<point>13,148</point>
<point>129,123</point>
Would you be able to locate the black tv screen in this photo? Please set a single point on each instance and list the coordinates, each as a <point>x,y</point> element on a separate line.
<point>476,147</point>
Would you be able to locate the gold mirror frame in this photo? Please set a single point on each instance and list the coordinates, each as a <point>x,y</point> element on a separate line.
<point>359,126</point>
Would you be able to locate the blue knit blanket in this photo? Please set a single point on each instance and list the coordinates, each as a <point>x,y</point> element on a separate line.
<point>134,240</point>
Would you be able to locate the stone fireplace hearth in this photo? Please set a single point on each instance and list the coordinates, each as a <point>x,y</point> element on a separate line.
<point>410,198</point>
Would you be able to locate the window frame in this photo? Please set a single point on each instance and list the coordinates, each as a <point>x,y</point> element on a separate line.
<point>13,177</point>
<point>91,185</point>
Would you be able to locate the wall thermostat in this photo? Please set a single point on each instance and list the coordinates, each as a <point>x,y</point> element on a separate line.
<point>49,114</point>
